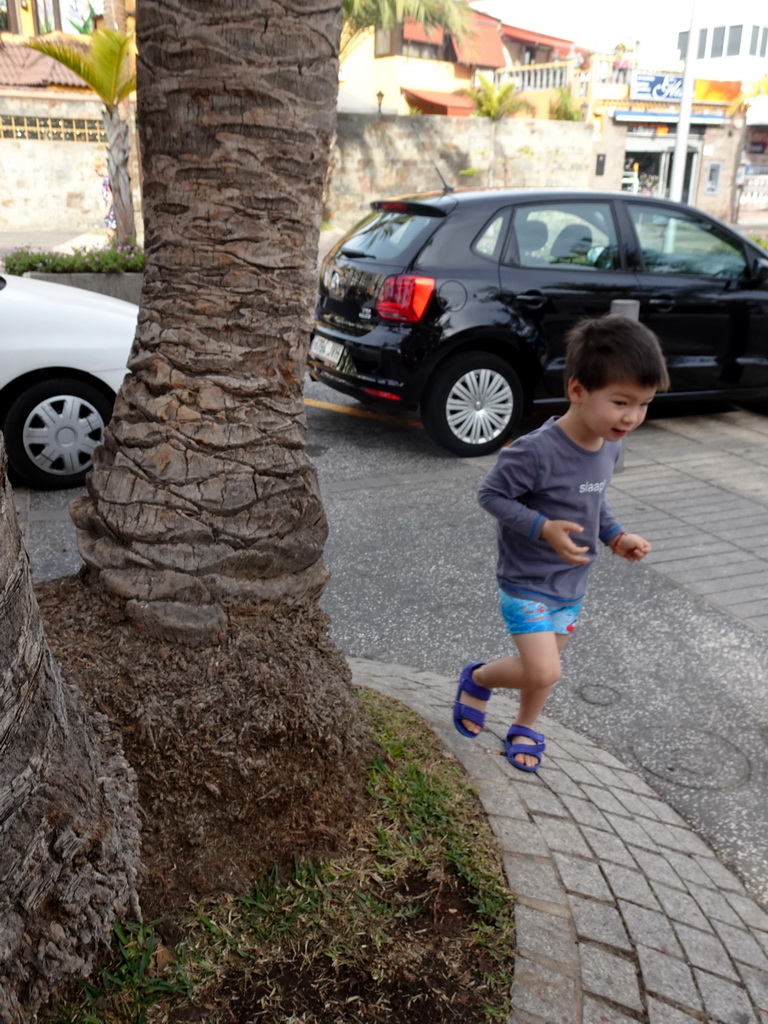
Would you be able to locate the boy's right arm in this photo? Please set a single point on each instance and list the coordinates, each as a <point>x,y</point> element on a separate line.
<point>557,533</point>
<point>514,474</point>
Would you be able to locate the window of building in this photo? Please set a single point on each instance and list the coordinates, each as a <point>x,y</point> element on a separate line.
<point>424,51</point>
<point>754,39</point>
<point>385,42</point>
<point>55,129</point>
<point>764,42</point>
<point>702,52</point>
<point>734,40</point>
<point>47,16</point>
<point>718,41</point>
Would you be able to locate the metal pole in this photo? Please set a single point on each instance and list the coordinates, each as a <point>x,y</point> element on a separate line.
<point>630,308</point>
<point>680,157</point>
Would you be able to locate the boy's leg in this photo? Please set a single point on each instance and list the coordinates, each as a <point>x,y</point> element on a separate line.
<point>533,672</point>
<point>540,654</point>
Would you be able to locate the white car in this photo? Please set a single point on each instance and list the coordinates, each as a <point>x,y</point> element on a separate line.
<point>62,359</point>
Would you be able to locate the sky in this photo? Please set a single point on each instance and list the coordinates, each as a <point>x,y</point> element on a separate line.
<point>601,24</point>
<point>595,23</point>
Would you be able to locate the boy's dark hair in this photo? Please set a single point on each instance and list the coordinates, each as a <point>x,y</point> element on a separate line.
<point>613,348</point>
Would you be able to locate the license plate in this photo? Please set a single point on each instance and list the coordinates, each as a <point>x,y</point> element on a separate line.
<point>329,351</point>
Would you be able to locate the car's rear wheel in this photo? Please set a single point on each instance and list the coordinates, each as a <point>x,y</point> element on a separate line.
<point>473,405</point>
<point>52,429</point>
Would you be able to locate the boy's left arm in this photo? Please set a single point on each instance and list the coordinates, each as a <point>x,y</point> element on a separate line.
<point>631,546</point>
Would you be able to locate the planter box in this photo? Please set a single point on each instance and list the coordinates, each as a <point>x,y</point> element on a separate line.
<point>119,286</point>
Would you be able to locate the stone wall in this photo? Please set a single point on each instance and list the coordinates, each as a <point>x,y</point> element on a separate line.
<point>49,184</point>
<point>375,157</point>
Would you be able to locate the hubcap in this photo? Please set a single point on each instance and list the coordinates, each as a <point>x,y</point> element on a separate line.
<point>60,434</point>
<point>479,406</point>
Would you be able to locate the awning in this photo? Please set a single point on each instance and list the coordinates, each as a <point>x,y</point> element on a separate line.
<point>429,101</point>
<point>665,117</point>
<point>413,32</point>
<point>480,46</point>
<point>562,47</point>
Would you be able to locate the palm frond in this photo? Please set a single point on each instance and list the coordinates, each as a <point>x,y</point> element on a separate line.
<point>104,66</point>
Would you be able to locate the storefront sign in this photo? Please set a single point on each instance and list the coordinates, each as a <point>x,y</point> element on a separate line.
<point>647,86</point>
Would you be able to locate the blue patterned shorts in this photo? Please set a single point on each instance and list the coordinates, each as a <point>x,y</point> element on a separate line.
<point>525,616</point>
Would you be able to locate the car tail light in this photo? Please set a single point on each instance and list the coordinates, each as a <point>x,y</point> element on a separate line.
<point>404,298</point>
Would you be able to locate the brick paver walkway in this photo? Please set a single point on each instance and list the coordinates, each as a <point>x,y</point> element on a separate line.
<point>623,913</point>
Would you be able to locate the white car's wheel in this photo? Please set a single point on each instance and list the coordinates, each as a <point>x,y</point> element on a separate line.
<point>51,431</point>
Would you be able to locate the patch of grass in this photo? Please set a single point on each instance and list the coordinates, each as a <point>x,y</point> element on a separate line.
<point>125,259</point>
<point>143,972</point>
<point>412,925</point>
<point>761,240</point>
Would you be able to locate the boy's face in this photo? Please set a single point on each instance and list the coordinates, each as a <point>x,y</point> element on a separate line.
<point>611,412</point>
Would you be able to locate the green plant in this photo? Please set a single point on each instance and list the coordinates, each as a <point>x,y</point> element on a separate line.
<point>495,102</point>
<point>761,240</point>
<point>125,259</point>
<point>564,107</point>
<point>141,973</point>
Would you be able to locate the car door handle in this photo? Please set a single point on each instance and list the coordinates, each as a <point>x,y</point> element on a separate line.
<point>533,300</point>
<point>663,303</point>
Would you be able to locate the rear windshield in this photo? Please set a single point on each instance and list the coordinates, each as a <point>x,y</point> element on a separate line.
<point>386,235</point>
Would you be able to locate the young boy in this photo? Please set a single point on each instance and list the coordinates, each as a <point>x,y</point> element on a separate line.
<point>547,492</point>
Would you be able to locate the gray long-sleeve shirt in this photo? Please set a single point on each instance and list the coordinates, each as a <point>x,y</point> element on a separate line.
<point>545,475</point>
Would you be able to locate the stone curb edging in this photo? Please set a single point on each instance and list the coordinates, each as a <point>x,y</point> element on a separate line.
<point>119,286</point>
<point>623,913</point>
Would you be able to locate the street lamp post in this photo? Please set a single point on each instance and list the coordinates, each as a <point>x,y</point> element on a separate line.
<point>680,156</point>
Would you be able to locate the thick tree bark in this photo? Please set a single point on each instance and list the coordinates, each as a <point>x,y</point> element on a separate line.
<point>203,523</point>
<point>203,496</point>
<point>68,822</point>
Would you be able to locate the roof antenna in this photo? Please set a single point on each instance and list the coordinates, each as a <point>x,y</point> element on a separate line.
<point>446,186</point>
<point>412,125</point>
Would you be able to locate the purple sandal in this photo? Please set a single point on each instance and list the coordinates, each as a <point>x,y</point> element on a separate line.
<point>535,749</point>
<point>474,689</point>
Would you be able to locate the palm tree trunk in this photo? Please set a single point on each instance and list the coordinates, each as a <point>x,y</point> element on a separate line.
<point>203,496</point>
<point>203,523</point>
<point>69,827</point>
<point>118,155</point>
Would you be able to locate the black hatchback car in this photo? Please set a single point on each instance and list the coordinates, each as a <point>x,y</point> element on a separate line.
<point>457,303</point>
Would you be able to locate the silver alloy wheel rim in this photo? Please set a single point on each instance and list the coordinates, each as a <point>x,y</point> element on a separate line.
<point>60,434</point>
<point>479,406</point>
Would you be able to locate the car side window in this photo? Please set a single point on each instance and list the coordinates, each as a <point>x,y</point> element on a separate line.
<point>675,243</point>
<point>488,241</point>
<point>580,235</point>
